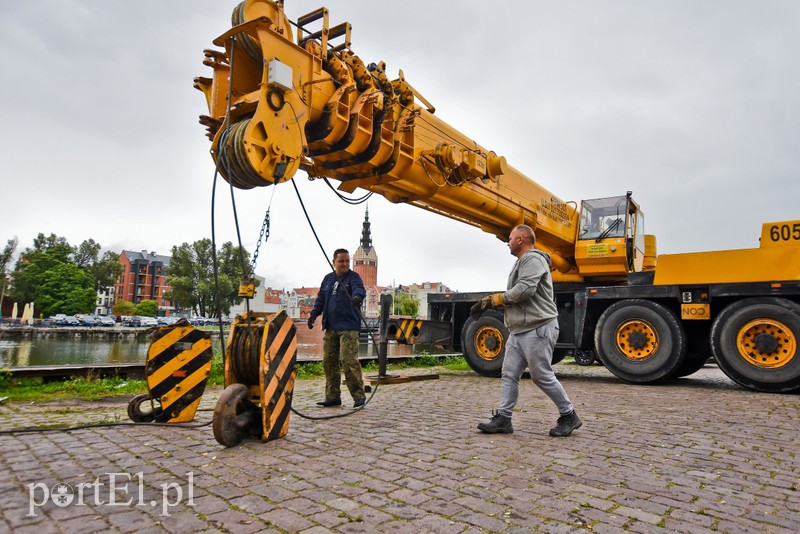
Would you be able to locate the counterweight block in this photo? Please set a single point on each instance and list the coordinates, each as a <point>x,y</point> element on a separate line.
<point>177,369</point>
<point>260,359</point>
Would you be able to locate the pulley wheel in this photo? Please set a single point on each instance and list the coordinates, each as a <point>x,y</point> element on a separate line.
<point>234,416</point>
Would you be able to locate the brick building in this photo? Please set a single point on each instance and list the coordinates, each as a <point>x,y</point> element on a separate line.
<point>365,258</point>
<point>365,263</point>
<point>144,277</point>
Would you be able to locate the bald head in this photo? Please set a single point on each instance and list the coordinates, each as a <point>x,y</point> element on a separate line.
<point>526,232</point>
<point>521,240</point>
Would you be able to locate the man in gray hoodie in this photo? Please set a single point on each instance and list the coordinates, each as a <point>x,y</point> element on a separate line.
<point>531,317</point>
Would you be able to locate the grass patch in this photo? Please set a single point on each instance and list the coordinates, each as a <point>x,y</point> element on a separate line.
<point>93,388</point>
<point>34,389</point>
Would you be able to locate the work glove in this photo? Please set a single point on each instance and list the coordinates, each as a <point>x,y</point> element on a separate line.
<point>488,302</point>
<point>311,319</point>
<point>357,301</point>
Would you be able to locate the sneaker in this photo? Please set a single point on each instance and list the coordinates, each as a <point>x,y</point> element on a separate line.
<point>328,403</point>
<point>359,403</point>
<point>500,424</point>
<point>565,425</point>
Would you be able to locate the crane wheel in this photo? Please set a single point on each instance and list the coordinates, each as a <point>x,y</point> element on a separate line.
<point>755,342</point>
<point>640,341</point>
<point>235,415</point>
<point>484,343</point>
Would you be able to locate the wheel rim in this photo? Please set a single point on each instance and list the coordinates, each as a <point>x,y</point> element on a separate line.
<point>488,342</point>
<point>766,343</point>
<point>637,340</point>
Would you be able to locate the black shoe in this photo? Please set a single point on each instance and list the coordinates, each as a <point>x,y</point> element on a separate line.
<point>500,424</point>
<point>329,403</point>
<point>565,425</point>
<point>359,403</point>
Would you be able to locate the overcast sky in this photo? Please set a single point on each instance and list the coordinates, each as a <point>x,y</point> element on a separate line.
<point>692,105</point>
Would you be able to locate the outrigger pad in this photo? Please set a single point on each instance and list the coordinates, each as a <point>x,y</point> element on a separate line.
<point>177,369</point>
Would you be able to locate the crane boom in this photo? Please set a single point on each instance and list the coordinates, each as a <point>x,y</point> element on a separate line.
<point>305,104</point>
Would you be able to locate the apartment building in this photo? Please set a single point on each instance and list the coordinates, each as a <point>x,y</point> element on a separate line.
<point>144,277</point>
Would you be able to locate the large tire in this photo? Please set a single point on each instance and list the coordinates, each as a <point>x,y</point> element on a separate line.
<point>484,343</point>
<point>755,342</point>
<point>640,341</point>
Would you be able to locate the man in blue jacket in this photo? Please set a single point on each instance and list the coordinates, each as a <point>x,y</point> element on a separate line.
<point>339,302</point>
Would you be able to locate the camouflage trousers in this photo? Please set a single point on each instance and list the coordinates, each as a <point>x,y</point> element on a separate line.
<point>341,354</point>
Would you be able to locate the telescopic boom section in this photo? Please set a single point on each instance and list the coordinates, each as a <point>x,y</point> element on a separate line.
<point>309,103</point>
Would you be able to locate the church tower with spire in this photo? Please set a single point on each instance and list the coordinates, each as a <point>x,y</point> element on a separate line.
<point>365,259</point>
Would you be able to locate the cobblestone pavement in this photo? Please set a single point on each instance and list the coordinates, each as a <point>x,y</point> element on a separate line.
<point>697,455</point>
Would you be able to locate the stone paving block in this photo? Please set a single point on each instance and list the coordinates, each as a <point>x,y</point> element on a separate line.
<point>482,521</point>
<point>441,525</point>
<point>409,496</point>
<point>236,521</point>
<point>252,504</point>
<point>285,519</point>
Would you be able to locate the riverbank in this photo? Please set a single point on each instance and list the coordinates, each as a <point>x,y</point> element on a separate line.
<point>115,332</point>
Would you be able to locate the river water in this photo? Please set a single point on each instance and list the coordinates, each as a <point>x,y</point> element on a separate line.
<point>93,351</point>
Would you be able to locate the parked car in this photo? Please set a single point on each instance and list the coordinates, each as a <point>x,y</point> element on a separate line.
<point>148,321</point>
<point>71,321</point>
<point>85,320</point>
<point>198,321</point>
<point>166,321</point>
<point>104,320</point>
<point>57,319</point>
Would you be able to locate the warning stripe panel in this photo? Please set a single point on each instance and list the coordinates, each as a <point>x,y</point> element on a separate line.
<point>184,386</point>
<point>166,337</point>
<point>160,354</point>
<point>406,330</point>
<point>278,371</point>
<point>178,366</point>
<point>181,366</point>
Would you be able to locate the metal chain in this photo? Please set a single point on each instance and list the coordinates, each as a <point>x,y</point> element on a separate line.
<point>263,236</point>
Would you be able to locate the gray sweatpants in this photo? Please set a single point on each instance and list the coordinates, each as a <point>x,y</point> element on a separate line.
<point>532,349</point>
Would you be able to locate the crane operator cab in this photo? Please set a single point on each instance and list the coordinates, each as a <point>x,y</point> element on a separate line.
<point>611,242</point>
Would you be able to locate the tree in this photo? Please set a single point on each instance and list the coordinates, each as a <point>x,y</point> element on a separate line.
<point>146,308</point>
<point>61,278</point>
<point>5,261</point>
<point>123,307</point>
<point>405,304</point>
<point>105,270</point>
<point>86,254</point>
<point>66,288</point>
<point>191,277</point>
<point>54,246</point>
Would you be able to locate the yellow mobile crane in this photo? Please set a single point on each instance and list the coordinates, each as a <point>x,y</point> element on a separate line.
<point>287,97</point>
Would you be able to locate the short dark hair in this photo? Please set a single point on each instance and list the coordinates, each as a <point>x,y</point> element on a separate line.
<point>528,232</point>
<point>340,251</point>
